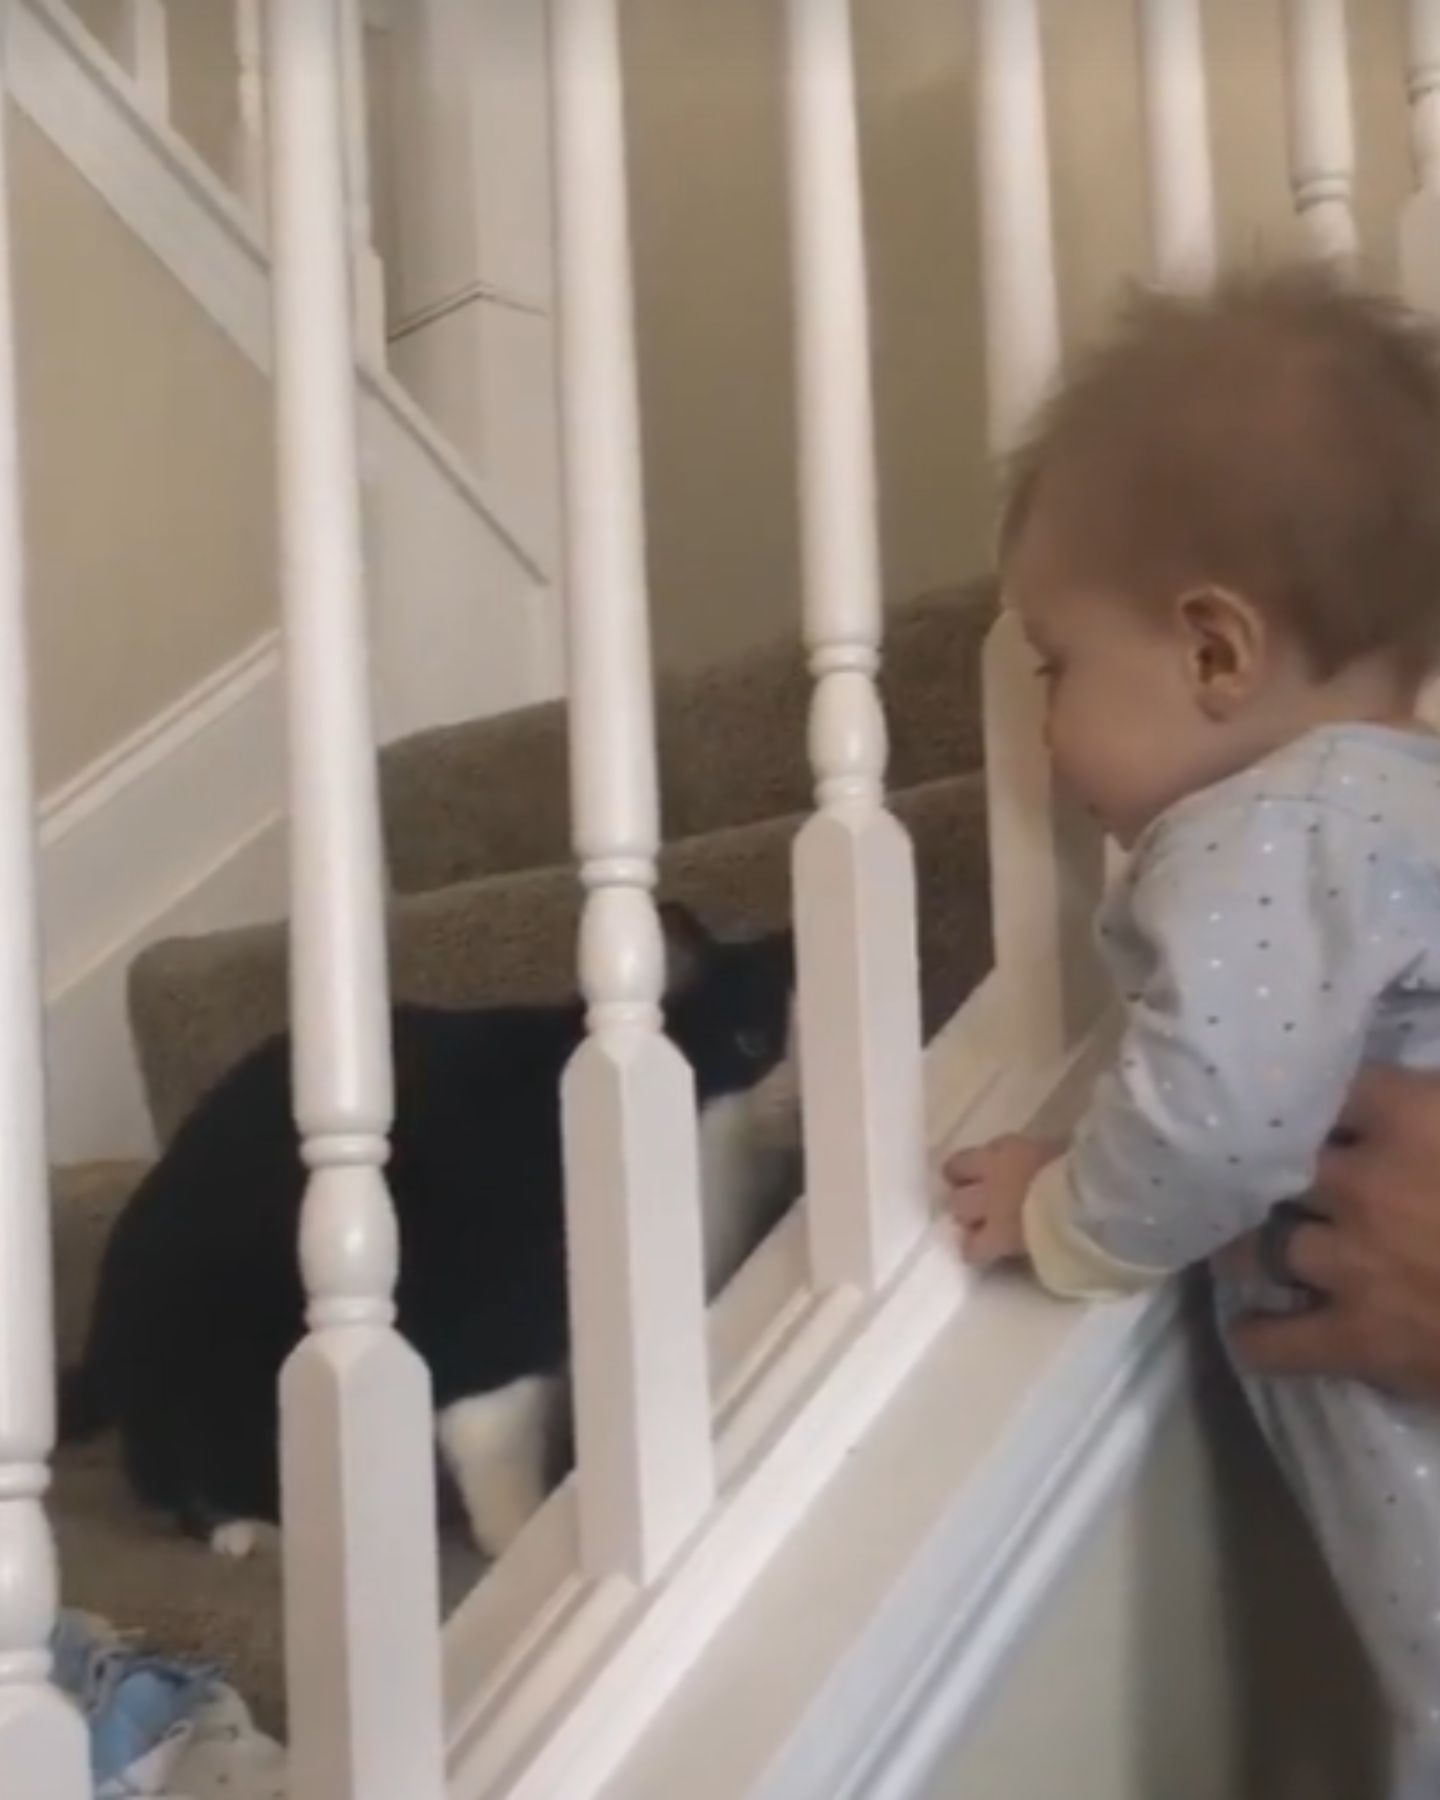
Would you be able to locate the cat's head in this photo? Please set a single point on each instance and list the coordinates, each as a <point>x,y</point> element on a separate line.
<point>729,1003</point>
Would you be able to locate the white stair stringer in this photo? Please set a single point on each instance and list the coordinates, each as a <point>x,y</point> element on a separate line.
<point>464,613</point>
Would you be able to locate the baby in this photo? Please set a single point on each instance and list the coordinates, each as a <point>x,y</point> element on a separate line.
<point>1223,544</point>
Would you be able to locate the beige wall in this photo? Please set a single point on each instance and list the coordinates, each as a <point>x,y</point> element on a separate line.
<point>147,471</point>
<point>709,194</point>
<point>1193,1651</point>
<point>203,68</point>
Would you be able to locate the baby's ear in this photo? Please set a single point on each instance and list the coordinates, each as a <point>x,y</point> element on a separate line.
<point>687,945</point>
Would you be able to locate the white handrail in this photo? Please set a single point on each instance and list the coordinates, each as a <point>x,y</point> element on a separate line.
<point>1322,129</point>
<point>854,867</point>
<point>644,1452</point>
<point>44,1749</point>
<point>361,1581</point>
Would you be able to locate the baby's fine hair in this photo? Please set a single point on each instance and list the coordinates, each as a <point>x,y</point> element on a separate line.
<point>1278,437</point>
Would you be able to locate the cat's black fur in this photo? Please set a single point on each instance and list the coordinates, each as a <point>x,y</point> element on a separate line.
<point>200,1299</point>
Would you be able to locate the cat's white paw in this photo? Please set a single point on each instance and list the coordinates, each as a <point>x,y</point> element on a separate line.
<point>237,1539</point>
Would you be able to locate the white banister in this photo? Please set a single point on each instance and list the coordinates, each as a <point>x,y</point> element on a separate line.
<point>1322,130</point>
<point>357,1452</point>
<point>1420,217</point>
<point>44,1747</point>
<point>1181,184</point>
<point>248,152</point>
<point>643,1440</point>
<point>144,50</point>
<point>854,876</point>
<point>1044,873</point>
<point>368,274</point>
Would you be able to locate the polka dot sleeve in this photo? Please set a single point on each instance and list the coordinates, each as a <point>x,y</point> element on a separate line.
<point>1252,948</point>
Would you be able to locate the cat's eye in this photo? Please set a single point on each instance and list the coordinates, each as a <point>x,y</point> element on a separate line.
<point>753,1045</point>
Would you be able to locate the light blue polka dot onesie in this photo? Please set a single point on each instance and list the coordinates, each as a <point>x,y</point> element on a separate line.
<point>1271,935</point>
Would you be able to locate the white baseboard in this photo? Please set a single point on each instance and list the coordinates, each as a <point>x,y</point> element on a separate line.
<point>178,829</point>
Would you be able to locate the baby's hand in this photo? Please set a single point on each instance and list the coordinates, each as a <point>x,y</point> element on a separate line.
<point>988,1186</point>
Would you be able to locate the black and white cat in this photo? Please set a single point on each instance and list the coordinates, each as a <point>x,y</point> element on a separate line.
<point>200,1297</point>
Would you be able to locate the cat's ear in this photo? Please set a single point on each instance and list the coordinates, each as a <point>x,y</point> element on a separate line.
<point>687,945</point>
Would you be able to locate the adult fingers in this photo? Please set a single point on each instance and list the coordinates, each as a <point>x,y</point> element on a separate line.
<point>1321,1257</point>
<point>1308,1343</point>
<point>1379,1092</point>
<point>1345,1176</point>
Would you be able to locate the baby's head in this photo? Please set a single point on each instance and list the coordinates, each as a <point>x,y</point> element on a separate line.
<point>1224,530</point>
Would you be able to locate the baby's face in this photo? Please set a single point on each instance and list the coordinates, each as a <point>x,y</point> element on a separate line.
<point>1123,726</point>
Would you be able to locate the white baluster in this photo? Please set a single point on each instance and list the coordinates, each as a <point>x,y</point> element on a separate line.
<point>1322,132</point>
<point>1420,217</point>
<point>368,271</point>
<point>854,869</point>
<point>44,1749</point>
<point>1045,870</point>
<point>644,1448</point>
<point>361,1599</point>
<point>1177,128</point>
<point>248,154</point>
<point>144,49</point>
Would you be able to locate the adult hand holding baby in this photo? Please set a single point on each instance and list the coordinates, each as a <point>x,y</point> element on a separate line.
<point>1375,1256</point>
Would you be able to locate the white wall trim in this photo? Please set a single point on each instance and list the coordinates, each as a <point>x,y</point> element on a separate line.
<point>88,106</point>
<point>176,828</point>
<point>980,1585</point>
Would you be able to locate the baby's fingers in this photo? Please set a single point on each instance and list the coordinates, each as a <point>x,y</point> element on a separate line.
<point>987,1243</point>
<point>963,1167</point>
<point>969,1204</point>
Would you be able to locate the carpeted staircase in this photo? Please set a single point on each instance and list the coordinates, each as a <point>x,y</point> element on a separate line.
<point>484,909</point>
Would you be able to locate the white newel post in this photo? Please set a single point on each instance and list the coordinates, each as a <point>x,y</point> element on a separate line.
<point>368,272</point>
<point>643,1440</point>
<point>44,1747</point>
<point>1177,140</point>
<point>357,1449</point>
<point>1322,131</point>
<point>854,873</point>
<point>248,152</point>
<point>1420,218</point>
<point>145,52</point>
<point>1045,866</point>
